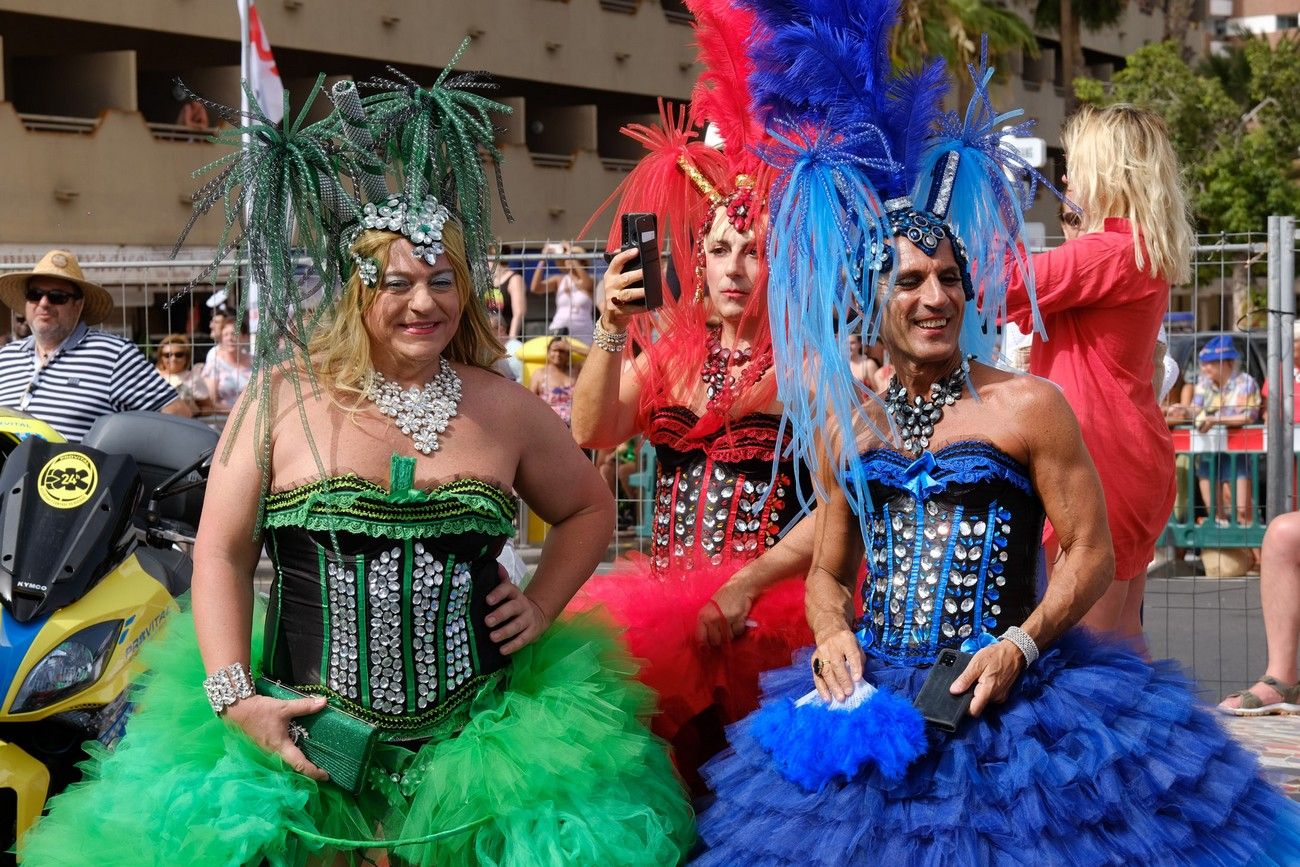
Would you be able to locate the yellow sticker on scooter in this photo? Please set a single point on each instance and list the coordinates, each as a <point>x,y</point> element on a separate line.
<point>67,480</point>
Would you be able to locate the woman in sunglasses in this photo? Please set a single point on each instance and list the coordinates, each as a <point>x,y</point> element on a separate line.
<point>174,364</point>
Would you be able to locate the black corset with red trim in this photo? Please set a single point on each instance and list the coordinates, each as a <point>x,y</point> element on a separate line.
<point>716,498</point>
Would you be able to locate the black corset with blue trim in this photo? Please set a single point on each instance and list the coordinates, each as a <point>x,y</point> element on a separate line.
<point>953,541</point>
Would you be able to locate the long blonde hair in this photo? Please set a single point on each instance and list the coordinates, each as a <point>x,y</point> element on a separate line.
<point>1121,164</point>
<point>340,347</point>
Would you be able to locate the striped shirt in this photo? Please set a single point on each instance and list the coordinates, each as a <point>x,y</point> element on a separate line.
<point>92,373</point>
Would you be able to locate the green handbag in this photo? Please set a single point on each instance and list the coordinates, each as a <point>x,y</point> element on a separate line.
<point>332,739</point>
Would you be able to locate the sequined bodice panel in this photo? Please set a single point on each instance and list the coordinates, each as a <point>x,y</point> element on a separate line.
<point>952,544</point>
<point>379,597</point>
<point>716,498</point>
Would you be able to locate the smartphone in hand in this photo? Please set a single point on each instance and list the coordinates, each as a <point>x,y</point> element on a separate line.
<point>642,232</point>
<point>934,702</point>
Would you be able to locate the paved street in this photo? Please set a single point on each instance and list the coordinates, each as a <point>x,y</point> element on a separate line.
<point>1213,626</point>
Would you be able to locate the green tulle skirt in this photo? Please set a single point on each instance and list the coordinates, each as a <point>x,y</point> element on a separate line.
<point>555,766</point>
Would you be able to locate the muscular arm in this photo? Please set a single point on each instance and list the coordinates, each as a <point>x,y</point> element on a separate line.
<point>1065,478</point>
<point>1063,473</point>
<point>836,557</point>
<point>837,554</point>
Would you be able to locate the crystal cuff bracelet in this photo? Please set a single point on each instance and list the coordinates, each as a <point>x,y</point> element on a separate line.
<point>1021,639</point>
<point>225,686</point>
<point>610,341</point>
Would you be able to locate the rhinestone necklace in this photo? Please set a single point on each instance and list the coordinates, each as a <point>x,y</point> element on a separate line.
<point>722,386</point>
<point>420,413</point>
<point>916,418</point>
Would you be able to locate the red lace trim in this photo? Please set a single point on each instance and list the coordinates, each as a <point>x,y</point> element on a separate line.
<point>750,437</point>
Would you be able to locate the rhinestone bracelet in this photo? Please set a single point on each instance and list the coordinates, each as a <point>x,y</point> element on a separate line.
<point>610,341</point>
<point>225,686</point>
<point>1021,639</point>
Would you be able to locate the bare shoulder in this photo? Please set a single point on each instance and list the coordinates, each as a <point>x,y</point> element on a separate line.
<point>500,400</point>
<point>1019,393</point>
<point>1032,409</point>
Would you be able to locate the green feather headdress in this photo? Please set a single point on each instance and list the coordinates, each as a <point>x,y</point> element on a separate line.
<point>295,197</point>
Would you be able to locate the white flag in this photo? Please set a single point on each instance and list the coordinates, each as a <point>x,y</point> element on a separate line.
<point>263,76</point>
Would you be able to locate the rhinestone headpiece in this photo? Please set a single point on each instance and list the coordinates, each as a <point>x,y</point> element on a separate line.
<point>419,222</point>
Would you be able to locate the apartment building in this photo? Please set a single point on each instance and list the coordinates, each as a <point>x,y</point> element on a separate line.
<point>1272,19</point>
<point>94,158</point>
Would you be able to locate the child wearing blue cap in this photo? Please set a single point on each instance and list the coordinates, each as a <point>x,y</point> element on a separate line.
<point>1224,397</point>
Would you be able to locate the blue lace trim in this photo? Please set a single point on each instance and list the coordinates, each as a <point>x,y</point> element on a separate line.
<point>959,463</point>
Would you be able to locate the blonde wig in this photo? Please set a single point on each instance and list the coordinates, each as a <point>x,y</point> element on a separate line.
<point>1120,163</point>
<point>340,348</point>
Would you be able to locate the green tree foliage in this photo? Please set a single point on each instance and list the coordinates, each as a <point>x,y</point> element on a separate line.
<point>1068,19</point>
<point>951,29</point>
<point>1093,15</point>
<point>1235,124</point>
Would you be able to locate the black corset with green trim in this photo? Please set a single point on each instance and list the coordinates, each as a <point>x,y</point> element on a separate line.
<point>379,596</point>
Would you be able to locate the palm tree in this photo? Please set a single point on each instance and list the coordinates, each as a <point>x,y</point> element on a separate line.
<point>1067,17</point>
<point>952,29</point>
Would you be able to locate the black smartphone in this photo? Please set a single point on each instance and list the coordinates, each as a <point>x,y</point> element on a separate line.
<point>642,232</point>
<point>935,703</point>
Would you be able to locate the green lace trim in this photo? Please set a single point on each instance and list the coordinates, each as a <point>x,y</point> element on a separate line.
<point>351,504</point>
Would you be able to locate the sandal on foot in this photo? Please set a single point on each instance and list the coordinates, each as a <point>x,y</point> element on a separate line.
<point>1253,705</point>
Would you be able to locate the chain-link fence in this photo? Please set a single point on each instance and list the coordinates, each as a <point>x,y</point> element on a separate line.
<point>1202,598</point>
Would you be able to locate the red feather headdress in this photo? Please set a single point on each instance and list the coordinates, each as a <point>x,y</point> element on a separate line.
<point>685,181</point>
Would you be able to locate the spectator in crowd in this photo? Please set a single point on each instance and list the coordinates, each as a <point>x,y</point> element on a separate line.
<point>175,364</point>
<point>21,329</point>
<point>554,382</point>
<point>1224,397</point>
<point>194,116</point>
<point>1279,598</point>
<point>867,366</point>
<point>1102,297</point>
<point>63,373</point>
<point>507,298</point>
<point>229,366</point>
<point>572,287</point>
<point>220,316</point>
<point>510,366</point>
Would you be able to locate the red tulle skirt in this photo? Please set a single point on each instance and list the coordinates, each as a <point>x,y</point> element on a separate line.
<point>659,614</point>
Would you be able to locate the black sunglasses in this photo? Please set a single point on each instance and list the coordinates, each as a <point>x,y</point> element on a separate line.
<point>56,296</point>
<point>179,354</point>
<point>1071,219</point>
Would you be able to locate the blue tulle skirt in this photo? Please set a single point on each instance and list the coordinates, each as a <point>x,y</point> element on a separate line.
<point>1097,758</point>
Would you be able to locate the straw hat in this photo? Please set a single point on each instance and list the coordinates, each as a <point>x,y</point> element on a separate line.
<point>63,265</point>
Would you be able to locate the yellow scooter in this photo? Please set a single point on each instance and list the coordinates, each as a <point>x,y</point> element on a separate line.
<point>87,575</point>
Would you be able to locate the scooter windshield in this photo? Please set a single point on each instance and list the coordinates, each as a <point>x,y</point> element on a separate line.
<point>65,520</point>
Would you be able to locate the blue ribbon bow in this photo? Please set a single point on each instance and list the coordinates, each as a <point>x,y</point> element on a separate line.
<point>919,479</point>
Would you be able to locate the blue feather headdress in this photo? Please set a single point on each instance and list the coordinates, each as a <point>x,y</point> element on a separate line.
<point>864,154</point>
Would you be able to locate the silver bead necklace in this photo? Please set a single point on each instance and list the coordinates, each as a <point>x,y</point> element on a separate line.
<point>420,413</point>
<point>916,418</point>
